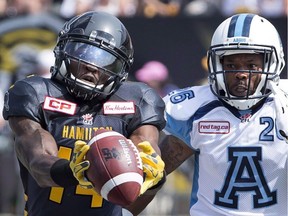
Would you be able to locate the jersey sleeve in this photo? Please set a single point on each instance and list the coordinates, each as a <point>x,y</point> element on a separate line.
<point>22,100</point>
<point>152,109</point>
<point>178,123</point>
<point>149,106</point>
<point>182,107</point>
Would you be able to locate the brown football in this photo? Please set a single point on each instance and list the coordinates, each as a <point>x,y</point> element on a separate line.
<point>115,167</point>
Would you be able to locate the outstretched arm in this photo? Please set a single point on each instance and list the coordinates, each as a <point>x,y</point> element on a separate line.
<point>151,134</point>
<point>173,152</point>
<point>35,148</point>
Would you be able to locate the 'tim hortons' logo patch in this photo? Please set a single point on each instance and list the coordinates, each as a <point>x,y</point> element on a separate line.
<point>119,107</point>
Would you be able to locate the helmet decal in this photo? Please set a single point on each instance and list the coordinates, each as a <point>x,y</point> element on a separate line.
<point>240,25</point>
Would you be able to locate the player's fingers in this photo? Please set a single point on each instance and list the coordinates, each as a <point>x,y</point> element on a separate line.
<point>160,163</point>
<point>152,173</point>
<point>81,167</point>
<point>81,154</point>
<point>147,170</point>
<point>84,149</point>
<point>146,159</point>
<point>79,144</point>
<point>146,147</point>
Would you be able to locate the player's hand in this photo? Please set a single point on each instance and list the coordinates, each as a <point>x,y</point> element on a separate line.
<point>79,165</point>
<point>153,166</point>
<point>281,103</point>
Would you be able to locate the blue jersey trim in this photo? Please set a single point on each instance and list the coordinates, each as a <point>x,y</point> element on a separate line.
<point>207,108</point>
<point>182,128</point>
<point>178,128</point>
<point>195,184</point>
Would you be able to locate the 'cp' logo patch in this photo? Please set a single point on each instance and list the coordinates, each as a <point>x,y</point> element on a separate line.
<point>58,105</point>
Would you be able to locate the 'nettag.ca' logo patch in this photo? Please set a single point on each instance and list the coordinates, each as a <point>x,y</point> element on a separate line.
<point>214,127</point>
<point>58,105</point>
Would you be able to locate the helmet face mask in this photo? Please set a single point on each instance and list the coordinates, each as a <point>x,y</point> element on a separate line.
<point>244,34</point>
<point>93,54</point>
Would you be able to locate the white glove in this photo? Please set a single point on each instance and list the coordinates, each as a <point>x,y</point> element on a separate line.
<point>281,104</point>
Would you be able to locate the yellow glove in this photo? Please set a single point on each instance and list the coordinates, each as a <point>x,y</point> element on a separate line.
<point>153,166</point>
<point>79,165</point>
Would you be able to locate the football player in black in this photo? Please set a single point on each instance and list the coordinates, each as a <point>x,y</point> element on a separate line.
<point>52,119</point>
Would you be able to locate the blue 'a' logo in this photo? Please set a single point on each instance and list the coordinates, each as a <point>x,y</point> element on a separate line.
<point>245,174</point>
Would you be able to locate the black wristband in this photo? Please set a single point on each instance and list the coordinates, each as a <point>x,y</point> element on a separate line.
<point>62,175</point>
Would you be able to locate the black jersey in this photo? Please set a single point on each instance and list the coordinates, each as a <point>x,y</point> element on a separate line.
<point>67,119</point>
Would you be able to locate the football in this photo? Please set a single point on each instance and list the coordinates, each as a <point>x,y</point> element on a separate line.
<point>115,167</point>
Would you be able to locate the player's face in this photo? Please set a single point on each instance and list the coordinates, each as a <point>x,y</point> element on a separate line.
<point>88,73</point>
<point>239,81</point>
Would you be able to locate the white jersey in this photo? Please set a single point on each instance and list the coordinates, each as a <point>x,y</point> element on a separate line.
<point>240,161</point>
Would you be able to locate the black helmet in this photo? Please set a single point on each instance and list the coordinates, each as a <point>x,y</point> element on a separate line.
<point>95,39</point>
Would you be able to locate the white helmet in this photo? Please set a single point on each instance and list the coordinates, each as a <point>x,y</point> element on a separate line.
<point>251,34</point>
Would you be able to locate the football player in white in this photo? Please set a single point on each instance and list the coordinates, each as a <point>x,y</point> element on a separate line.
<point>236,125</point>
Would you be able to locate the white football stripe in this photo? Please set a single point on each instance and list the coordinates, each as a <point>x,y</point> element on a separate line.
<point>103,135</point>
<point>120,179</point>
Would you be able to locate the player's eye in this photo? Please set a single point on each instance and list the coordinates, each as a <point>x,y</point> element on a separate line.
<point>252,66</point>
<point>229,66</point>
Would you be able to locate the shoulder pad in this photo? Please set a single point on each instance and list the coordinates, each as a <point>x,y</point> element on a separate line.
<point>183,103</point>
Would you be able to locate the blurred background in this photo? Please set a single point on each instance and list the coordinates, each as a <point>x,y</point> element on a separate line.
<point>170,39</point>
